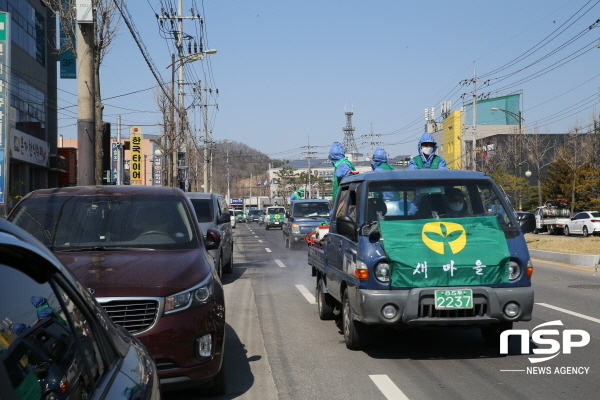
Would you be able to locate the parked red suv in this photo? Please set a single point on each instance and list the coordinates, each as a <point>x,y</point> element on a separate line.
<point>140,252</point>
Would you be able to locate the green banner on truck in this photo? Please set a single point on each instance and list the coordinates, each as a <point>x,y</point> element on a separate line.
<point>445,252</point>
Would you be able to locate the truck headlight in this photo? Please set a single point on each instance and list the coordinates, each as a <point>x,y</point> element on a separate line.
<point>514,271</point>
<point>198,295</point>
<point>382,272</point>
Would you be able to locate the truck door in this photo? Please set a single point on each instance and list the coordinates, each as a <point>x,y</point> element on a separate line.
<point>341,251</point>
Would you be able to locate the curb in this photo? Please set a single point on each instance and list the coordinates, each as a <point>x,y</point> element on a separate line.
<point>587,261</point>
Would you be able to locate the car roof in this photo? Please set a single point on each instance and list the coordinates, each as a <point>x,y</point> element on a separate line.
<point>201,195</point>
<point>311,201</point>
<point>114,190</point>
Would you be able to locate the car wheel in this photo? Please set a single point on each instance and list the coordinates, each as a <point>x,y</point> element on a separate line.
<point>585,232</point>
<point>567,231</point>
<point>324,301</point>
<point>491,334</point>
<point>217,387</point>
<point>287,243</point>
<point>266,227</point>
<point>219,266</point>
<point>355,333</point>
<point>228,268</point>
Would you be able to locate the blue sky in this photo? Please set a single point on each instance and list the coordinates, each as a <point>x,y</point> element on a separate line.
<point>287,70</point>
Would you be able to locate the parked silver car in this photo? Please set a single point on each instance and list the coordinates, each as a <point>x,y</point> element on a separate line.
<point>585,223</point>
<point>212,212</point>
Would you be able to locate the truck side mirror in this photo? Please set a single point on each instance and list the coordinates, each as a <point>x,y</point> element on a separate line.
<point>347,227</point>
<point>528,223</point>
<point>287,214</point>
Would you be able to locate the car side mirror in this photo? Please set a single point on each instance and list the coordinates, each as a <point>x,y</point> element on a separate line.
<point>347,227</point>
<point>213,239</point>
<point>224,218</point>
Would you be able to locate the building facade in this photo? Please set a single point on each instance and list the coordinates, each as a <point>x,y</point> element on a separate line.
<point>28,128</point>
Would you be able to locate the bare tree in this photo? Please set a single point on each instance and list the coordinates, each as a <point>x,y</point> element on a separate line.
<point>539,153</point>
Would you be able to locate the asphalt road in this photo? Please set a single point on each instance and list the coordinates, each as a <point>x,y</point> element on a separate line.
<point>278,348</point>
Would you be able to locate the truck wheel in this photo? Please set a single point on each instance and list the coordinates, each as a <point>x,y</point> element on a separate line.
<point>324,302</point>
<point>536,231</point>
<point>287,243</point>
<point>355,333</point>
<point>566,230</point>
<point>551,230</point>
<point>266,227</point>
<point>491,334</point>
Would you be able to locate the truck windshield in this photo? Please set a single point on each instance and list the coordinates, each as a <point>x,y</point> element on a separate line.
<point>307,210</point>
<point>276,210</point>
<point>431,199</point>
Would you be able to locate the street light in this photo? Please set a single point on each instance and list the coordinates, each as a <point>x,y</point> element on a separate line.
<point>514,115</point>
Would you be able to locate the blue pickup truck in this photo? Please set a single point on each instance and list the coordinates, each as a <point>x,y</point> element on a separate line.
<point>303,217</point>
<point>422,248</point>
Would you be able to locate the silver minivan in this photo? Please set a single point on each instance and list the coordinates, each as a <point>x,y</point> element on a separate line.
<point>212,212</point>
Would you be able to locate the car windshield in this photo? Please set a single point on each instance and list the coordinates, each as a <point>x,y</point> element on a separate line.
<point>430,199</point>
<point>72,223</point>
<point>276,210</point>
<point>306,210</point>
<point>203,209</point>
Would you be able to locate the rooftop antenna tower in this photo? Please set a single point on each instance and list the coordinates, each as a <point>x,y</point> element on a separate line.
<point>349,143</point>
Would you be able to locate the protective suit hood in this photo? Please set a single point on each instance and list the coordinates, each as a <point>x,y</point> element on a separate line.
<point>337,152</point>
<point>379,156</point>
<point>426,138</point>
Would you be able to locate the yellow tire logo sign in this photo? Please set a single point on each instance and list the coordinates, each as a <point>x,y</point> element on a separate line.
<point>277,216</point>
<point>436,235</point>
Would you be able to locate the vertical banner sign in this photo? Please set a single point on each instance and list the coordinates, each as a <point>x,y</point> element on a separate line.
<point>136,153</point>
<point>4,85</point>
<point>114,162</point>
<point>157,175</point>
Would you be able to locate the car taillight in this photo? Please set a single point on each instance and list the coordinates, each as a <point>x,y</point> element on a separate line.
<point>596,220</point>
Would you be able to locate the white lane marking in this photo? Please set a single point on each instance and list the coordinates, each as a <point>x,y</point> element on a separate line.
<point>570,312</point>
<point>255,236</point>
<point>307,295</point>
<point>387,387</point>
<point>260,241</point>
<point>278,262</point>
<point>268,249</point>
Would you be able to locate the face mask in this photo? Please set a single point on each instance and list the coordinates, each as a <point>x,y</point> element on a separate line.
<point>427,150</point>
<point>456,206</point>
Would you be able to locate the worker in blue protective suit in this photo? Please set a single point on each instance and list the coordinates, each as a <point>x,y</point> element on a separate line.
<point>427,159</point>
<point>342,166</point>
<point>297,195</point>
<point>379,160</point>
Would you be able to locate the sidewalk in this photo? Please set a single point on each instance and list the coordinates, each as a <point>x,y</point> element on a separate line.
<point>578,260</point>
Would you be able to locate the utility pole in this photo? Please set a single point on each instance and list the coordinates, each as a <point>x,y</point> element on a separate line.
<point>207,133</point>
<point>86,89</point>
<point>309,157</point>
<point>474,81</point>
<point>371,141</point>
<point>178,145</point>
